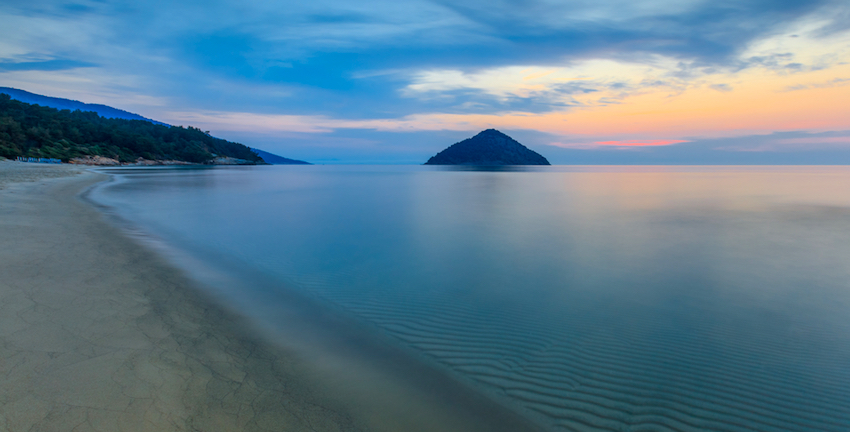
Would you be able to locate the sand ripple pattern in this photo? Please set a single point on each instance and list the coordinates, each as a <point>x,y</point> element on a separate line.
<point>571,375</point>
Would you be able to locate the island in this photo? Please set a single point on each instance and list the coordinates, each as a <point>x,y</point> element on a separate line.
<point>488,148</point>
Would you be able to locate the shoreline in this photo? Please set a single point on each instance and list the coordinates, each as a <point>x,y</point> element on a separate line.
<point>102,332</point>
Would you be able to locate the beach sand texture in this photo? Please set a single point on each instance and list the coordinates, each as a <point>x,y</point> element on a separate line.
<point>16,172</point>
<point>98,334</point>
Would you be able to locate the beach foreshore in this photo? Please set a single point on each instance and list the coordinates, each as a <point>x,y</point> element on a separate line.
<point>98,334</point>
<point>101,333</point>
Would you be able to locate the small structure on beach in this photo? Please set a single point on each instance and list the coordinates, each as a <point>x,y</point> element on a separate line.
<point>39,160</point>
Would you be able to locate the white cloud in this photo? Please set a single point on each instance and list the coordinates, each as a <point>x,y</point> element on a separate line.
<point>801,45</point>
<point>35,38</point>
<point>586,83</point>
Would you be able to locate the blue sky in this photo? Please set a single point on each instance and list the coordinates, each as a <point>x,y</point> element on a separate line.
<point>394,82</point>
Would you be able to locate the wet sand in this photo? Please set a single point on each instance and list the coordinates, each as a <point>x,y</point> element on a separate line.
<point>99,333</point>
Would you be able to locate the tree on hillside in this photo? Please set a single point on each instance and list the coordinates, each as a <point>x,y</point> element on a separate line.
<point>36,131</point>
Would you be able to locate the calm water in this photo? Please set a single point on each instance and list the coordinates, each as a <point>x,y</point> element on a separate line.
<point>605,298</point>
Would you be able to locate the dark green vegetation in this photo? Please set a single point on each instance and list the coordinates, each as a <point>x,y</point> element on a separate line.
<point>488,148</point>
<point>36,131</point>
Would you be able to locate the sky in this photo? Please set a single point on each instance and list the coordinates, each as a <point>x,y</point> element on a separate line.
<point>377,81</point>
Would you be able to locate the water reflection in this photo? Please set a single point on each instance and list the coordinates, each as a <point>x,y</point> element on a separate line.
<point>488,168</point>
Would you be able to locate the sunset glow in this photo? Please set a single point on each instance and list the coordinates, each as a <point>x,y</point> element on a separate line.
<point>636,143</point>
<point>448,73</point>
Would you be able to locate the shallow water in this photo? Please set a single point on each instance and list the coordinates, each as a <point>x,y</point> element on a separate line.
<point>582,298</point>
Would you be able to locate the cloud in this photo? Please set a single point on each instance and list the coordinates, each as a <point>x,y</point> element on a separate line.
<point>91,85</point>
<point>810,42</point>
<point>537,89</point>
<point>46,65</point>
<point>795,147</point>
<point>640,143</point>
<point>706,32</point>
<point>605,70</point>
<point>721,87</point>
<point>827,84</point>
<point>794,142</point>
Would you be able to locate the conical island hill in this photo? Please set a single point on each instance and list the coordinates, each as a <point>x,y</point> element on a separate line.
<point>488,148</point>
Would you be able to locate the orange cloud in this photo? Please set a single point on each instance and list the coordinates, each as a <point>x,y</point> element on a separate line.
<point>640,143</point>
<point>758,104</point>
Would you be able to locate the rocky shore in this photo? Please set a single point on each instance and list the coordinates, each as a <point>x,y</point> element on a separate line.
<point>104,161</point>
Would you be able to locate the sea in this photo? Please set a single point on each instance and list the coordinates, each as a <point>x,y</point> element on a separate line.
<point>577,298</point>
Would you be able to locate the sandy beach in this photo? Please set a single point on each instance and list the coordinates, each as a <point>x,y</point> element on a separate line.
<point>101,333</point>
<point>97,334</point>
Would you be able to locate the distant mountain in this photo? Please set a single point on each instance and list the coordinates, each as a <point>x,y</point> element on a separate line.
<point>68,104</point>
<point>488,148</point>
<point>274,159</point>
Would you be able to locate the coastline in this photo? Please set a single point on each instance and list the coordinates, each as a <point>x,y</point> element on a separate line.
<point>100,334</point>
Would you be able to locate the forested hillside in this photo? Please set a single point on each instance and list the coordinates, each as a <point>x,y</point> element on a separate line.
<point>36,131</point>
